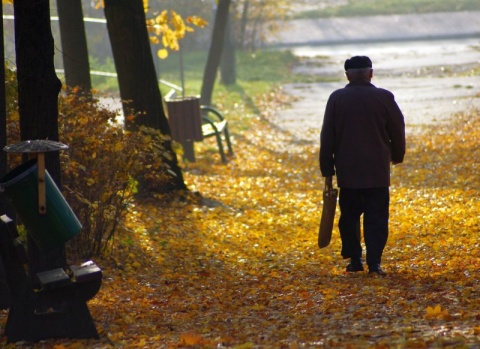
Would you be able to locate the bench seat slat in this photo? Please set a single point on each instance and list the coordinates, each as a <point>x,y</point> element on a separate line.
<point>54,278</point>
<point>86,272</point>
<point>208,130</point>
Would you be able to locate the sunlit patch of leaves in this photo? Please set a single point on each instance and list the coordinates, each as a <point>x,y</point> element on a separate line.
<point>247,273</point>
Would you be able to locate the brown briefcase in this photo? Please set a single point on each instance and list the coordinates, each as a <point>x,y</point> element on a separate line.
<point>328,214</point>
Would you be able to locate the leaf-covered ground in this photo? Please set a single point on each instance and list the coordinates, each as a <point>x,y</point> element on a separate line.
<point>240,268</point>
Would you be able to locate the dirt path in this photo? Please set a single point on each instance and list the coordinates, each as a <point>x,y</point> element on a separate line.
<point>431,80</point>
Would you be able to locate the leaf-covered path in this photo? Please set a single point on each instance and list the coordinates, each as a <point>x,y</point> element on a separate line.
<point>244,271</point>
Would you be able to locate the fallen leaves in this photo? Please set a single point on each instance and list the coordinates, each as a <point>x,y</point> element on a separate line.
<point>437,312</point>
<point>246,272</point>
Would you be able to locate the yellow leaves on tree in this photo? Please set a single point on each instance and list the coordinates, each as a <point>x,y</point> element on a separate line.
<point>170,29</point>
<point>166,29</point>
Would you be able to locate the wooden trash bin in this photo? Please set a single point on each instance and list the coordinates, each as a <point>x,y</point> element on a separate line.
<point>185,122</point>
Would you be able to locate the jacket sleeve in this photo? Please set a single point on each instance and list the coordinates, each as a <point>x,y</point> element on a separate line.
<point>327,141</point>
<point>396,131</point>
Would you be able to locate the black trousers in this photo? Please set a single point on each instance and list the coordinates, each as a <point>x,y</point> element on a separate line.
<point>373,203</point>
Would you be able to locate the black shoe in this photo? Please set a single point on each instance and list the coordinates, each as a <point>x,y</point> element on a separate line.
<point>355,265</point>
<point>376,269</point>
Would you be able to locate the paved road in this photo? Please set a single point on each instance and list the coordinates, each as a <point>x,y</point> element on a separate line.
<point>428,77</point>
<point>378,28</point>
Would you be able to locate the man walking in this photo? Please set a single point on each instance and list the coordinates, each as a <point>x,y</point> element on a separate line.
<point>363,132</point>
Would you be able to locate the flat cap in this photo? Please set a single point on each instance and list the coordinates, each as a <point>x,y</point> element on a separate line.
<point>358,62</point>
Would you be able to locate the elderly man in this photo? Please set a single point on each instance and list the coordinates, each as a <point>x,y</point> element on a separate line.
<point>363,132</point>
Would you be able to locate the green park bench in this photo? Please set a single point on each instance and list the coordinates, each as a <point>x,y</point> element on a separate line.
<point>215,127</point>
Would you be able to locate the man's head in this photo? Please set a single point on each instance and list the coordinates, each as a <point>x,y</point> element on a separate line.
<point>358,67</point>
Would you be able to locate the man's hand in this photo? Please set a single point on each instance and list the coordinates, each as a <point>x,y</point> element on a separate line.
<point>328,182</point>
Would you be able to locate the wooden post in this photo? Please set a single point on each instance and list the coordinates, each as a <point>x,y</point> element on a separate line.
<point>42,195</point>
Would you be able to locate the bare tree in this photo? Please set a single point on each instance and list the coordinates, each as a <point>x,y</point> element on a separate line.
<point>228,72</point>
<point>215,52</point>
<point>74,45</point>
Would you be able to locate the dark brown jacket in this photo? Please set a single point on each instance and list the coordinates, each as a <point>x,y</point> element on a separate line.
<point>363,131</point>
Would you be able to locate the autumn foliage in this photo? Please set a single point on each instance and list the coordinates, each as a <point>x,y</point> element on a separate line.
<point>240,267</point>
<point>102,168</point>
<point>169,28</point>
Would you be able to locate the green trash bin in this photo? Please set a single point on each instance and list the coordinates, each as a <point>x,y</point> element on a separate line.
<point>58,225</point>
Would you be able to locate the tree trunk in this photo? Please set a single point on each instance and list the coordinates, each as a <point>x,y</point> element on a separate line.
<point>74,45</point>
<point>3,108</point>
<point>243,24</point>
<point>38,88</point>
<point>38,85</point>
<point>215,52</point>
<point>126,24</point>
<point>5,298</point>
<point>228,70</point>
<point>256,26</point>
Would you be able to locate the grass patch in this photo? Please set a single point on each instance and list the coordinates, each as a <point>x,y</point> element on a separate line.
<point>266,66</point>
<point>389,7</point>
<point>257,75</point>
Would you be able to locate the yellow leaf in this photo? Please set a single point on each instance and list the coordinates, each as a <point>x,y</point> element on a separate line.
<point>257,307</point>
<point>162,18</point>
<point>190,339</point>
<point>436,313</point>
<point>195,20</point>
<point>162,53</point>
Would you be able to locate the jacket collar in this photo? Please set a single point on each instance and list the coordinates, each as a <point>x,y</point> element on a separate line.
<point>359,83</point>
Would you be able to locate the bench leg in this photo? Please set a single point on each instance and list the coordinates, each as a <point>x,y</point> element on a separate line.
<point>74,322</point>
<point>220,146</point>
<point>227,138</point>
